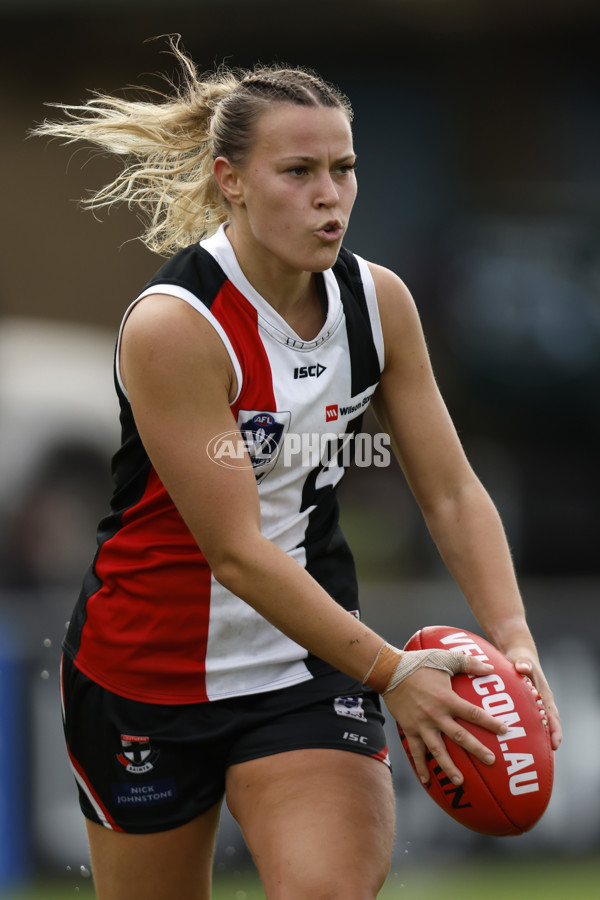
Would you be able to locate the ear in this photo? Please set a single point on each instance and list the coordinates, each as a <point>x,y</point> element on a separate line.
<point>229,179</point>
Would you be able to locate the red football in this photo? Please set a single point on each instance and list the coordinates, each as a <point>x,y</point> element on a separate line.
<point>511,795</point>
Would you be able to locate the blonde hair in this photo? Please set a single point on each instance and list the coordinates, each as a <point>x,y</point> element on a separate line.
<point>169,146</point>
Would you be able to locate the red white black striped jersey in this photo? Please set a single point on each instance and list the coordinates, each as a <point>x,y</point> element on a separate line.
<point>151,622</point>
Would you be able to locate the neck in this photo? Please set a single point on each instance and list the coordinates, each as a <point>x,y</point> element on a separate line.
<point>291,292</point>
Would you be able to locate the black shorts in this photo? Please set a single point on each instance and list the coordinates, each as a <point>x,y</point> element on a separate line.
<point>145,767</point>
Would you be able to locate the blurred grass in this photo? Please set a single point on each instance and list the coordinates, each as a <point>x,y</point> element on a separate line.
<point>497,879</point>
<point>494,879</point>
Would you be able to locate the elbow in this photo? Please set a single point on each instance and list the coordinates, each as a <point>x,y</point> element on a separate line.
<point>232,566</point>
<point>228,572</point>
<point>463,501</point>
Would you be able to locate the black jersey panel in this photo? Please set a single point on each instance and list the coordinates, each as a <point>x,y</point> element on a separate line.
<point>364,361</point>
<point>130,470</point>
<point>328,556</point>
<point>194,269</point>
<point>335,571</point>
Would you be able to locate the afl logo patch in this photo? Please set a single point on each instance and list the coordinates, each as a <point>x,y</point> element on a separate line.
<point>262,432</point>
<point>263,420</point>
<point>137,755</point>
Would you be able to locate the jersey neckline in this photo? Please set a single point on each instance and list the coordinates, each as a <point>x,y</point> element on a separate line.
<point>221,249</point>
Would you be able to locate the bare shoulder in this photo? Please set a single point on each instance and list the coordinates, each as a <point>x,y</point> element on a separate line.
<point>166,337</point>
<point>400,320</point>
<point>163,324</point>
<point>387,283</point>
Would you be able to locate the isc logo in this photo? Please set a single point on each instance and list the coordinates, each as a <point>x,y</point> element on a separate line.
<point>355,738</point>
<point>309,371</point>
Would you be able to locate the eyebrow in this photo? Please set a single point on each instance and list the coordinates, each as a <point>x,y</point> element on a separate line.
<point>312,159</point>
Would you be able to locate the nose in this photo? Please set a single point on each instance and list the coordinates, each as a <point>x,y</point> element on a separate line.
<point>327,192</point>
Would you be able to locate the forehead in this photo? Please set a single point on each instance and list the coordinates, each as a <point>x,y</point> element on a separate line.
<point>286,129</point>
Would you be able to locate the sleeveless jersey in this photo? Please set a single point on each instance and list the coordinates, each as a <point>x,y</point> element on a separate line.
<point>151,622</point>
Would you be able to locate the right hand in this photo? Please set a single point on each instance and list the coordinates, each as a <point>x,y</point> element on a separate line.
<point>426,707</point>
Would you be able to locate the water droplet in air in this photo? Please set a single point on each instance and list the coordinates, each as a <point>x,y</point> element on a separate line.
<point>45,674</point>
<point>85,873</point>
<point>47,642</point>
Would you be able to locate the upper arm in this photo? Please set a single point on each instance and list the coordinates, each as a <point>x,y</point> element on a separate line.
<point>179,380</point>
<point>408,402</point>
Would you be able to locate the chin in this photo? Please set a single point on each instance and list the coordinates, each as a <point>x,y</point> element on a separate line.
<point>325,259</point>
<point>311,259</point>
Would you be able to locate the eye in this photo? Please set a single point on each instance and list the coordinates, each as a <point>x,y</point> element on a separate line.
<point>298,171</point>
<point>346,169</point>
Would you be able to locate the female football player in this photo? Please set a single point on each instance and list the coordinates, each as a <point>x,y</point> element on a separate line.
<point>217,648</point>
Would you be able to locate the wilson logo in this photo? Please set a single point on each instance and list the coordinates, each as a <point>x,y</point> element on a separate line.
<point>331,412</point>
<point>455,793</point>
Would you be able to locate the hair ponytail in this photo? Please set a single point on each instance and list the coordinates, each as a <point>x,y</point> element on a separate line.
<point>169,146</point>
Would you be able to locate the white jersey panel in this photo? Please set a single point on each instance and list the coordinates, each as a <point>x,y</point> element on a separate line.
<point>245,653</point>
<point>315,406</point>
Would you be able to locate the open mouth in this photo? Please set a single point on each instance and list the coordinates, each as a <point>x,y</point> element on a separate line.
<point>332,230</point>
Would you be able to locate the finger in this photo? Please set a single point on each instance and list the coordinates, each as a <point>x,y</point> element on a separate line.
<point>439,750</point>
<point>524,667</point>
<point>554,725</point>
<point>555,730</point>
<point>474,666</point>
<point>475,715</point>
<point>550,715</point>
<point>468,742</point>
<point>418,751</point>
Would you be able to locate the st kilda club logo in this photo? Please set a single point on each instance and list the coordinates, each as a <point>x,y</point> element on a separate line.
<point>137,755</point>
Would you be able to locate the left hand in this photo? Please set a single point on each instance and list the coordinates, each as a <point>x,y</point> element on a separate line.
<point>527,663</point>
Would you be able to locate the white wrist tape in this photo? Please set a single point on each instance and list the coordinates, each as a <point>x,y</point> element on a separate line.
<point>391,666</point>
<point>450,661</point>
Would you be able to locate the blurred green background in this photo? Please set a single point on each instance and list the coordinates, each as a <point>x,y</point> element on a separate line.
<point>467,881</point>
<point>478,135</point>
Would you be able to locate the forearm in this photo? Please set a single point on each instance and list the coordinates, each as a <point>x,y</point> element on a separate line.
<point>284,593</point>
<point>471,540</point>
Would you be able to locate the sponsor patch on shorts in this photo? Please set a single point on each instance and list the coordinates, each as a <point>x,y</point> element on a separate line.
<point>351,707</point>
<point>144,793</point>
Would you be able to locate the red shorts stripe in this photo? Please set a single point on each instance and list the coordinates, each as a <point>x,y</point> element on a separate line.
<point>100,809</point>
